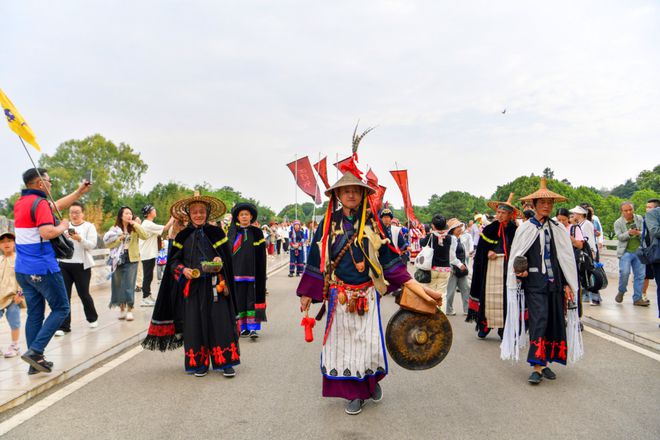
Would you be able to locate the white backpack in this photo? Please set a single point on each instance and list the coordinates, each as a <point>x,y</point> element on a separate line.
<point>424,259</point>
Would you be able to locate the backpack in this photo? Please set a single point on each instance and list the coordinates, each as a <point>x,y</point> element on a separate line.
<point>62,246</point>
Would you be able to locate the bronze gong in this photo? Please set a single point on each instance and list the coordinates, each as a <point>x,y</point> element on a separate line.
<point>418,341</point>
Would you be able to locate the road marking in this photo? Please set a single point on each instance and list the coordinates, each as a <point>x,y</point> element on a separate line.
<point>49,401</point>
<point>628,345</point>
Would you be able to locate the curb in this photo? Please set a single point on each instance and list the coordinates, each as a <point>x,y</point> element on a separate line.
<point>92,362</point>
<point>621,333</point>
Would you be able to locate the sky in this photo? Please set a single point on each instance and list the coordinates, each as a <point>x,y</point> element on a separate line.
<point>228,92</point>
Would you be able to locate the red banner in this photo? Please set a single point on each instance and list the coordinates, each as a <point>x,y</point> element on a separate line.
<point>401,179</point>
<point>321,168</point>
<point>304,175</point>
<point>376,200</point>
<point>349,164</point>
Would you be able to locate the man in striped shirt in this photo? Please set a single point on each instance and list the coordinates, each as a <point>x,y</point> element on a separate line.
<point>37,270</point>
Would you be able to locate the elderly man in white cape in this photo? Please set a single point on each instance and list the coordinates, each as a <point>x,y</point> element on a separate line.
<point>542,288</point>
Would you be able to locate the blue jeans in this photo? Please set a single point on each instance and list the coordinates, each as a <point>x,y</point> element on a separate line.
<point>39,289</point>
<point>627,261</point>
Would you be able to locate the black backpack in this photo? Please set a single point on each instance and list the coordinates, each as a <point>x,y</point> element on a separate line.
<point>62,246</point>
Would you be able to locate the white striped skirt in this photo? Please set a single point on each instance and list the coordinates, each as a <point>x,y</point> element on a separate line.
<point>354,347</point>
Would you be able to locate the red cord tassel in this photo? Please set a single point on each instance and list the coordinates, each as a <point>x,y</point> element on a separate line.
<point>308,322</point>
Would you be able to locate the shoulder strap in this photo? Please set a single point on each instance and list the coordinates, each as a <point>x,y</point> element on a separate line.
<point>35,205</point>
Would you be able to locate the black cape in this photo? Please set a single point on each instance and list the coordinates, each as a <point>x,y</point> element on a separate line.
<point>489,241</point>
<point>250,260</point>
<point>166,327</point>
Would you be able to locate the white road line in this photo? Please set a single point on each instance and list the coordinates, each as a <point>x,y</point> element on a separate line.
<point>625,344</point>
<point>49,401</point>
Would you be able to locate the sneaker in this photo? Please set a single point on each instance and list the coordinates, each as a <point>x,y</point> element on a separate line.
<point>452,313</point>
<point>245,333</point>
<point>377,396</point>
<point>641,302</point>
<point>229,372</point>
<point>500,333</point>
<point>290,275</point>
<point>59,333</point>
<point>254,335</point>
<point>535,378</point>
<point>122,314</point>
<point>644,297</point>
<point>147,302</point>
<point>354,407</point>
<point>12,350</point>
<point>202,372</point>
<point>93,324</point>
<point>594,302</point>
<point>548,373</point>
<point>129,316</point>
<point>33,370</point>
<point>619,297</point>
<point>37,361</point>
<point>297,274</point>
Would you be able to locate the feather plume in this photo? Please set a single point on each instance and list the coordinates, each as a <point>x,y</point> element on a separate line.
<point>357,139</point>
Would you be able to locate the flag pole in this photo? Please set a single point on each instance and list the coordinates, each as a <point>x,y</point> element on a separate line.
<point>296,193</point>
<point>50,196</point>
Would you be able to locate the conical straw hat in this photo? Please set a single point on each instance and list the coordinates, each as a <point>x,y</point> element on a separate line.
<point>349,179</point>
<point>217,207</point>
<point>544,193</point>
<point>493,204</point>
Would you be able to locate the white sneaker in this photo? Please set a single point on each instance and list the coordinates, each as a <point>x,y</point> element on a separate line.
<point>59,333</point>
<point>93,324</point>
<point>129,316</point>
<point>147,302</point>
<point>12,351</point>
<point>122,314</point>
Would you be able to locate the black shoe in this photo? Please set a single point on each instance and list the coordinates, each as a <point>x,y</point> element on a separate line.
<point>37,361</point>
<point>297,274</point>
<point>535,378</point>
<point>481,334</point>
<point>202,372</point>
<point>229,372</point>
<point>254,335</point>
<point>377,396</point>
<point>500,333</point>
<point>290,275</point>
<point>33,370</point>
<point>548,373</point>
<point>245,333</point>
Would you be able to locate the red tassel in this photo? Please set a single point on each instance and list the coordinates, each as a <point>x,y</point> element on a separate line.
<point>308,323</point>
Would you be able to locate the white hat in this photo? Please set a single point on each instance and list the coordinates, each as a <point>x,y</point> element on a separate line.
<point>578,210</point>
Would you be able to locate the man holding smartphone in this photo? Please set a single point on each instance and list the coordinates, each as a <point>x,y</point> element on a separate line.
<point>628,229</point>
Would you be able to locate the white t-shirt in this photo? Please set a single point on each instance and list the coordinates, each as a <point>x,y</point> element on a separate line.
<point>81,248</point>
<point>149,247</point>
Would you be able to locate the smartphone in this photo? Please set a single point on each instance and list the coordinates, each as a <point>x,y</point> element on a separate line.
<point>88,177</point>
<point>72,231</point>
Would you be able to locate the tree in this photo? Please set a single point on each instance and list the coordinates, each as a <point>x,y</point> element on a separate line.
<point>649,179</point>
<point>625,190</point>
<point>116,169</point>
<point>304,210</point>
<point>455,204</point>
<point>548,173</point>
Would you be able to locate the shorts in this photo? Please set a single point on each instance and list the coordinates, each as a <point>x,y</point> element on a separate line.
<point>13,312</point>
<point>649,272</point>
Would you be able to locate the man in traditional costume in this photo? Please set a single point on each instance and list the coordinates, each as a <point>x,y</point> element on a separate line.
<point>350,266</point>
<point>487,303</point>
<point>296,250</point>
<point>249,265</point>
<point>545,287</point>
<point>392,231</point>
<point>196,305</point>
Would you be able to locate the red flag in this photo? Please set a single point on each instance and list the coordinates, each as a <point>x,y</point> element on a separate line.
<point>302,172</point>
<point>349,164</point>
<point>376,200</point>
<point>401,179</point>
<point>321,168</point>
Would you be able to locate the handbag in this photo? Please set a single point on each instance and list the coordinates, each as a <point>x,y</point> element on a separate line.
<point>424,260</point>
<point>62,246</point>
<point>422,276</point>
<point>648,254</point>
<point>458,272</point>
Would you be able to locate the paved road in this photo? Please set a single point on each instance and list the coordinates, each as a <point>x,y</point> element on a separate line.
<point>612,394</point>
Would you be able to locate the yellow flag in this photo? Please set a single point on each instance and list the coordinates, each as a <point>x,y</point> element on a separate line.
<point>16,121</point>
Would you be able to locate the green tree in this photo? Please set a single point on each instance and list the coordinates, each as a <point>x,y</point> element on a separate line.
<point>625,190</point>
<point>455,204</point>
<point>116,169</point>
<point>649,179</point>
<point>548,173</point>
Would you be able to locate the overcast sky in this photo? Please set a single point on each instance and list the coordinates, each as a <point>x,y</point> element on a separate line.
<point>229,92</point>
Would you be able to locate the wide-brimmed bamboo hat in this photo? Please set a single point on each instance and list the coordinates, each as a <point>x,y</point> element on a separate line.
<point>216,207</point>
<point>493,204</point>
<point>544,193</point>
<point>349,179</point>
<point>454,223</point>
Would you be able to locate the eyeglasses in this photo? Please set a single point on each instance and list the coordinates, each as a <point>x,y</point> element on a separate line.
<point>49,180</point>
